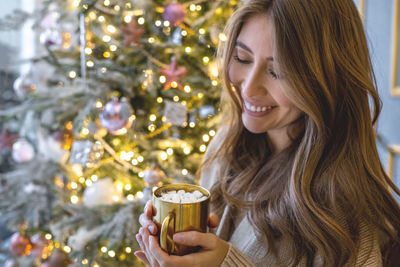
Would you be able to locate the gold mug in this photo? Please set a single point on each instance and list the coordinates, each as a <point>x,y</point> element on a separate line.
<point>179,217</point>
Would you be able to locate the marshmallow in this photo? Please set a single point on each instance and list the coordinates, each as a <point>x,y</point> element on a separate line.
<point>183,197</point>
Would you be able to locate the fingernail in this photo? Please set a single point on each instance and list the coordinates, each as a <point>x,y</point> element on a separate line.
<point>177,237</point>
<point>152,229</point>
<point>139,238</point>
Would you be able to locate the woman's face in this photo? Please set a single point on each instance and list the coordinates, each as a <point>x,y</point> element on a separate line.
<point>252,71</point>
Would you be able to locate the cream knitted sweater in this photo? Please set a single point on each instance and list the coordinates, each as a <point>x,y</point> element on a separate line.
<point>245,250</point>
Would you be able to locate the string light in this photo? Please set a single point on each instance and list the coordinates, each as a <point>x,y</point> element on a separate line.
<point>67,249</point>
<point>103,249</point>
<point>128,250</point>
<point>151,40</point>
<point>200,95</point>
<point>76,3</point>
<point>113,48</point>
<point>106,2</point>
<point>141,20</point>
<point>141,174</point>
<point>174,84</point>
<point>158,23</point>
<point>183,33</point>
<point>211,133</point>
<point>128,187</point>
<point>170,151</point>
<point>88,51</point>
<point>206,60</point>
<point>184,172</point>
<point>111,28</point>
<point>186,150</point>
<point>117,7</point>
<point>72,74</point>
<point>90,64</point>
<point>74,185</point>
<point>101,18</point>
<point>127,19</point>
<point>214,82</point>
<point>176,98</point>
<point>166,23</point>
<point>106,54</point>
<point>192,124</point>
<point>99,104</point>
<point>106,38</point>
<point>163,155</point>
<point>218,11</point>
<point>96,265</point>
<point>130,197</point>
<point>188,49</point>
<point>85,131</point>
<point>111,253</point>
<point>222,37</point>
<point>48,236</point>
<point>92,15</point>
<point>206,138</point>
<point>187,89</point>
<point>85,261</point>
<point>74,199</point>
<point>81,179</point>
<point>103,70</point>
<point>134,162</point>
<point>163,79</point>
<point>88,182</point>
<point>139,194</point>
<point>94,178</point>
<point>198,7</point>
<point>152,117</point>
<point>192,7</point>
<point>202,148</point>
<point>140,158</point>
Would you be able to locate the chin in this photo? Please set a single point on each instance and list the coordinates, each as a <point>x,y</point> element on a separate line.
<point>255,129</point>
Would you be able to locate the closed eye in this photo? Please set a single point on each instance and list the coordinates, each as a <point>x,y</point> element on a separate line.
<point>241,60</point>
<point>273,74</point>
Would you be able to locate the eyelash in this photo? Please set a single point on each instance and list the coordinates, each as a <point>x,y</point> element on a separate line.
<point>241,61</point>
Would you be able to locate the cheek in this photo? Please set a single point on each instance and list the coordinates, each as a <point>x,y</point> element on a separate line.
<point>234,74</point>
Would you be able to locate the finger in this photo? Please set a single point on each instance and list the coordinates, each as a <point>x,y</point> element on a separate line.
<point>146,222</point>
<point>144,234</point>
<point>213,220</point>
<point>194,238</point>
<point>149,209</point>
<point>142,256</point>
<point>140,241</point>
<point>163,258</point>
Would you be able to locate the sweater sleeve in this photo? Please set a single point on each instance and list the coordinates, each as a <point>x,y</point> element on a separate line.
<point>235,258</point>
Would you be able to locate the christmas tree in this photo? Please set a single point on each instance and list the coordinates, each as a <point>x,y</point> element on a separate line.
<point>124,98</point>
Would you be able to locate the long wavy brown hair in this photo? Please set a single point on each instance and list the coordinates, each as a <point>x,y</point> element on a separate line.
<point>330,180</point>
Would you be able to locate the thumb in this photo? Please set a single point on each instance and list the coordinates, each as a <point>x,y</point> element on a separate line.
<point>194,238</point>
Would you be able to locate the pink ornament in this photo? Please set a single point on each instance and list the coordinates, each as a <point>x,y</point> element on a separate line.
<point>22,151</point>
<point>117,117</point>
<point>132,33</point>
<point>153,176</point>
<point>40,246</point>
<point>57,259</point>
<point>173,74</point>
<point>20,245</point>
<point>174,13</point>
<point>51,37</point>
<point>24,85</point>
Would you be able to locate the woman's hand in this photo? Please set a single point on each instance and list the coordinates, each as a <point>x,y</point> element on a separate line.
<point>212,253</point>
<point>146,218</point>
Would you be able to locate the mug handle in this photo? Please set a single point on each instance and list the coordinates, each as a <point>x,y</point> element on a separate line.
<point>164,238</point>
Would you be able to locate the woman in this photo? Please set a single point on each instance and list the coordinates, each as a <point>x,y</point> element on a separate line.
<point>294,175</point>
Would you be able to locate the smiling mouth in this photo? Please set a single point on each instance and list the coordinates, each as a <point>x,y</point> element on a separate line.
<point>257,109</point>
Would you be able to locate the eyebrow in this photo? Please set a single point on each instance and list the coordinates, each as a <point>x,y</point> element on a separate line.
<point>245,47</point>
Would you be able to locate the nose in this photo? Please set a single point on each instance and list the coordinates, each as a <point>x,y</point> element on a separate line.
<point>253,83</point>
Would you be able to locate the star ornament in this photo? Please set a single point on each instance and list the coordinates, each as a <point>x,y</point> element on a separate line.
<point>173,74</point>
<point>7,140</point>
<point>132,33</point>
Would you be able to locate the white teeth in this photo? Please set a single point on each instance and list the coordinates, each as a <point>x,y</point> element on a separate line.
<point>256,109</point>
